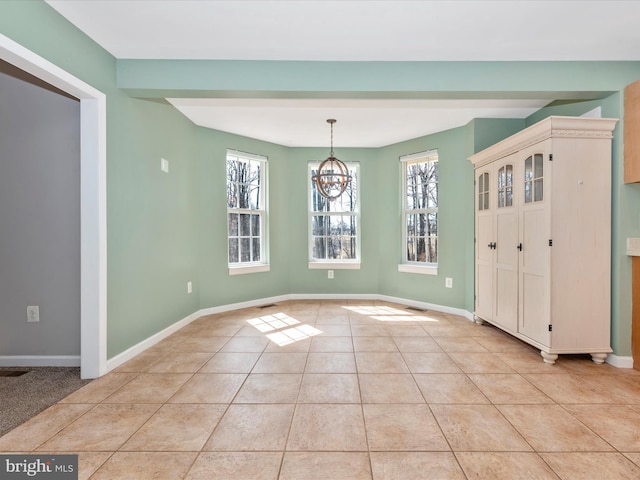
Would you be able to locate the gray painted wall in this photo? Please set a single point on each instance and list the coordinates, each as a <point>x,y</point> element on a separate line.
<point>39,218</point>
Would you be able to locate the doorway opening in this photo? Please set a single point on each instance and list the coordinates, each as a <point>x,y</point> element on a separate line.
<point>93,222</point>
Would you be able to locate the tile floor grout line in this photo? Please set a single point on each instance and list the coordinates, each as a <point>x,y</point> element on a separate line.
<point>619,391</point>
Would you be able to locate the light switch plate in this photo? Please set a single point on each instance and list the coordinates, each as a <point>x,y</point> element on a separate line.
<point>33,314</point>
<point>633,247</point>
<point>164,165</point>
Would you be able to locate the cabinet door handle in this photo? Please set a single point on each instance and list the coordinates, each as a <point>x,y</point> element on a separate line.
<point>519,247</point>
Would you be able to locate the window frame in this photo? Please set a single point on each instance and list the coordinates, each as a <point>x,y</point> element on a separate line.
<point>251,266</point>
<point>406,265</point>
<point>325,263</point>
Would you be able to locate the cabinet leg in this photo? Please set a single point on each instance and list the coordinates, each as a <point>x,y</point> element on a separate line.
<point>549,358</point>
<point>478,320</point>
<point>599,358</point>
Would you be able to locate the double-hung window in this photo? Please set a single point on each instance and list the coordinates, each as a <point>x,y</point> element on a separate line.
<point>420,212</point>
<point>334,225</point>
<point>246,212</point>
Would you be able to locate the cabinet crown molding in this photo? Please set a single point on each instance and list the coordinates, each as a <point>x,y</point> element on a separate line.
<point>550,127</point>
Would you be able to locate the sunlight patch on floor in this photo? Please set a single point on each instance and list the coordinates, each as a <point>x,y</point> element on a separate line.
<point>376,310</point>
<point>269,323</point>
<point>287,333</point>
<point>295,334</point>
<point>390,314</point>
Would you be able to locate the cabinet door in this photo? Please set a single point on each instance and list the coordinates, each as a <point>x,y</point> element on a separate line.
<point>506,252</point>
<point>484,243</point>
<point>534,251</point>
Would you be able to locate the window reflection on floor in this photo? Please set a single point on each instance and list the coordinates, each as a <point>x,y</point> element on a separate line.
<point>283,329</point>
<point>272,322</point>
<point>283,322</point>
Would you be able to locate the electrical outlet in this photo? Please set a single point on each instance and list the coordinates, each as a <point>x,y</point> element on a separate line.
<point>448,282</point>
<point>330,274</point>
<point>33,314</point>
<point>189,287</point>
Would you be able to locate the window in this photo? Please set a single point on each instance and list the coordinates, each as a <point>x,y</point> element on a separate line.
<point>334,225</point>
<point>246,212</point>
<point>420,212</point>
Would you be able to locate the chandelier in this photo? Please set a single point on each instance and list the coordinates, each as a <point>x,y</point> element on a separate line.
<point>332,177</point>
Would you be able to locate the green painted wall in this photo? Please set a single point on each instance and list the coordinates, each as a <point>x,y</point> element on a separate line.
<point>165,230</point>
<point>216,287</point>
<point>455,221</point>
<point>487,131</point>
<point>304,280</point>
<point>564,108</point>
<point>151,219</point>
<point>565,80</point>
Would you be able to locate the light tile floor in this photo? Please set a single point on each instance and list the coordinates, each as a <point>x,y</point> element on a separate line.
<point>345,390</point>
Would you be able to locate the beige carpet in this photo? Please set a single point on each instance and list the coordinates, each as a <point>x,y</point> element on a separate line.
<point>24,396</point>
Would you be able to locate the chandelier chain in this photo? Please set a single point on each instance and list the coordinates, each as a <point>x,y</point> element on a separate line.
<point>331,140</point>
<point>331,121</point>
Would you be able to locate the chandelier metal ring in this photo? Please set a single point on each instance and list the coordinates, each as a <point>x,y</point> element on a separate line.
<point>332,177</point>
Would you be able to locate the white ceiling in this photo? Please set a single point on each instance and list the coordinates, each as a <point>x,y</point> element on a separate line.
<point>360,123</point>
<point>356,31</point>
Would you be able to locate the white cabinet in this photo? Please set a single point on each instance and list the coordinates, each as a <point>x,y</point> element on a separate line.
<point>543,235</point>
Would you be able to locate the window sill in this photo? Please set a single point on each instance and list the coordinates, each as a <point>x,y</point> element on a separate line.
<point>241,270</point>
<point>334,265</point>
<point>419,269</point>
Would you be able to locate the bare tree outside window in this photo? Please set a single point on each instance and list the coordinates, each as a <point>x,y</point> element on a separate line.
<point>245,207</point>
<point>421,208</point>
<point>334,223</point>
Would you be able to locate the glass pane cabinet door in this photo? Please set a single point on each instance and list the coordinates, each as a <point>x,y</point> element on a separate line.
<point>509,186</point>
<point>486,191</point>
<point>534,178</point>
<point>501,180</point>
<point>483,191</point>
<point>528,179</point>
<point>538,176</point>
<point>505,186</point>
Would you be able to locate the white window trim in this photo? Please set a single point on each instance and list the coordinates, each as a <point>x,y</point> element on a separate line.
<point>335,265</point>
<point>406,266</point>
<point>240,268</point>
<point>427,269</point>
<point>348,264</point>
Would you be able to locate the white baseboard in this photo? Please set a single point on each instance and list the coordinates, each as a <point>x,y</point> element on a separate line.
<point>238,306</point>
<point>39,360</point>
<point>619,361</point>
<point>333,296</point>
<point>115,362</point>
<point>428,306</point>
<point>140,347</point>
